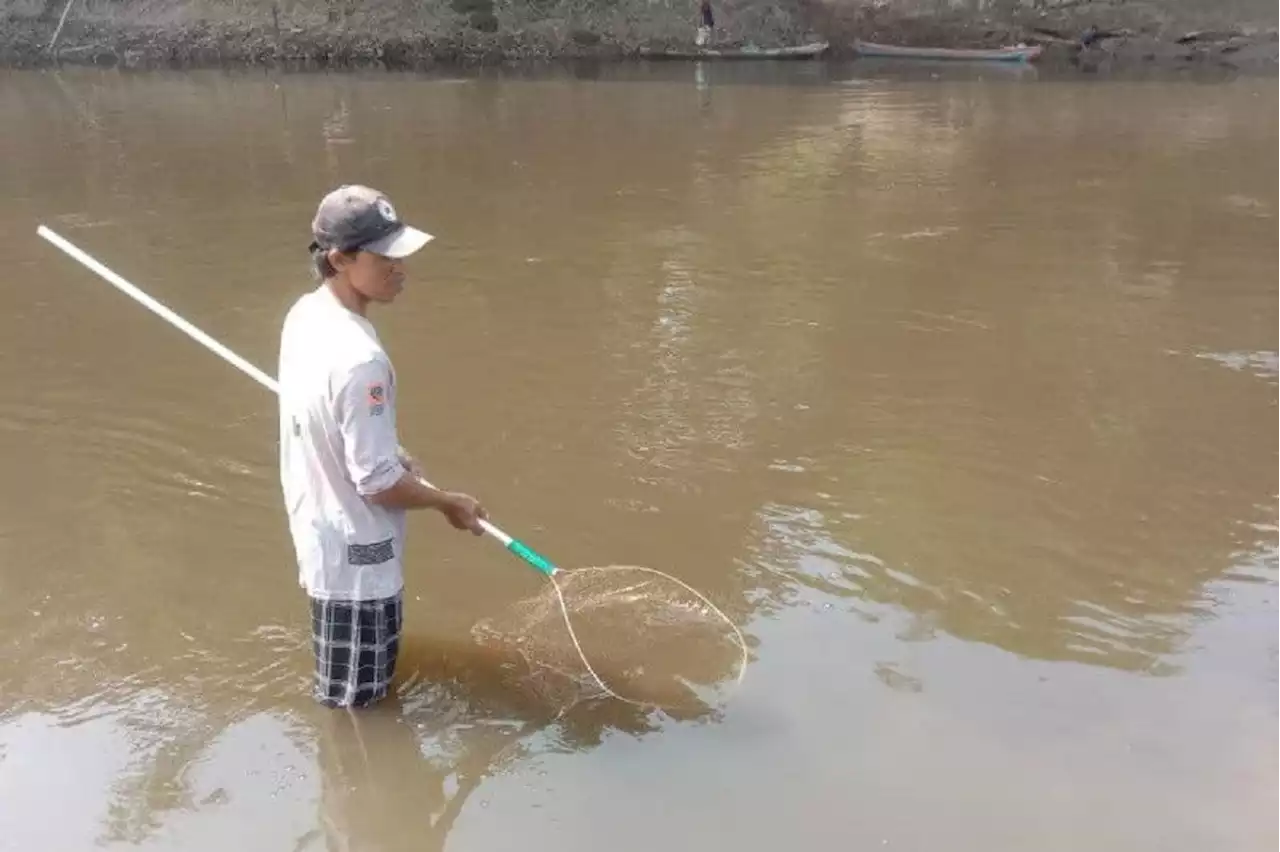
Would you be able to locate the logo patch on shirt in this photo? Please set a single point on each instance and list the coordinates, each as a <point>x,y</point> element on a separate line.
<point>377,399</point>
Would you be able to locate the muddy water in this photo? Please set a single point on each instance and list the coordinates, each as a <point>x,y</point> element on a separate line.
<point>958,394</point>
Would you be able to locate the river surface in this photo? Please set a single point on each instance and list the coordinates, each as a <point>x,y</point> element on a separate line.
<point>956,391</point>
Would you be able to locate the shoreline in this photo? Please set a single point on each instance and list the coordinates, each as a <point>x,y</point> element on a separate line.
<point>429,45</point>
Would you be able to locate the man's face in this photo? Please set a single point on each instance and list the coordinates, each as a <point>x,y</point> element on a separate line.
<point>377,278</point>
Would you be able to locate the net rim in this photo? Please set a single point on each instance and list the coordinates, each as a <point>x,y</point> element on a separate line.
<point>577,646</point>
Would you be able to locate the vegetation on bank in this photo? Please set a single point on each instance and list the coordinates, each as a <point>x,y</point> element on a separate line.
<point>420,33</point>
<point>397,33</point>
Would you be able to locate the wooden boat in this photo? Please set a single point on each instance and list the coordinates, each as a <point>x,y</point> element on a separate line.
<point>1018,53</point>
<point>800,51</point>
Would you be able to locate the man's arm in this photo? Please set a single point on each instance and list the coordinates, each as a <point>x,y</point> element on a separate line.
<point>373,455</point>
<point>409,492</point>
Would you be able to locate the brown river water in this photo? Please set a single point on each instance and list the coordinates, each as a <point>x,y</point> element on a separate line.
<point>956,391</point>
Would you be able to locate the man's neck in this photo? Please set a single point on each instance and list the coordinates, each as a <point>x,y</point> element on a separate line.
<point>347,295</point>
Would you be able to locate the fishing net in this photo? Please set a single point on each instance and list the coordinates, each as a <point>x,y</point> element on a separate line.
<point>624,632</point>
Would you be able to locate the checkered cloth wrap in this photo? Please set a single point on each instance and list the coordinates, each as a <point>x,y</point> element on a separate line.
<point>366,631</point>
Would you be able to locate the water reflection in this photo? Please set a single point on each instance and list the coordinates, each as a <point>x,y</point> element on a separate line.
<point>973,372</point>
<point>216,727</point>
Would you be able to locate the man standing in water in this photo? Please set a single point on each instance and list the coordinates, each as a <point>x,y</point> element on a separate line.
<point>706,24</point>
<point>347,484</point>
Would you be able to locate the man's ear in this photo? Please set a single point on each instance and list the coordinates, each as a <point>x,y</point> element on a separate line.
<point>338,259</point>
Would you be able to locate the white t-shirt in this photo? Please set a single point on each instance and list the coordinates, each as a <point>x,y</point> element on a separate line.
<point>338,444</point>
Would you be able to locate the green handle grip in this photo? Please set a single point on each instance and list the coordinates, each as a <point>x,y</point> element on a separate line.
<point>528,554</point>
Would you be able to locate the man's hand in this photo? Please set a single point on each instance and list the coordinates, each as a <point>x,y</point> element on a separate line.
<point>463,512</point>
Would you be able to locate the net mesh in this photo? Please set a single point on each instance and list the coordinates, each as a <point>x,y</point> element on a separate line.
<point>625,632</point>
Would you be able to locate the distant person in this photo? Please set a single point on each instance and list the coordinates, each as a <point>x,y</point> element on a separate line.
<point>347,484</point>
<point>707,25</point>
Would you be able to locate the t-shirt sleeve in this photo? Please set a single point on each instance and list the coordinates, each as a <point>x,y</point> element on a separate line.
<point>367,421</point>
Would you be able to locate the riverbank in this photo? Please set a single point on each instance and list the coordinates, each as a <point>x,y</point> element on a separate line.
<point>1091,35</point>
<point>1096,37</point>
<point>328,33</point>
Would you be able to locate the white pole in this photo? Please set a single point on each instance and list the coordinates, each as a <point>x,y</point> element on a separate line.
<point>159,309</point>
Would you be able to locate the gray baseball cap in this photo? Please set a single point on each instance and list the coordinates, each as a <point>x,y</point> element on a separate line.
<point>355,217</point>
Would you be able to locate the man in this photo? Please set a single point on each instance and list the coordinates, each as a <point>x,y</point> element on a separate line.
<point>347,484</point>
<point>706,25</point>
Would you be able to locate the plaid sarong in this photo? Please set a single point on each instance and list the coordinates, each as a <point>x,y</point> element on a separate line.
<point>367,632</point>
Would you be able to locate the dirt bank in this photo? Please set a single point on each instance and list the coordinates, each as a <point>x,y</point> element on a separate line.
<point>141,33</point>
<point>1092,35</point>
<point>1086,34</point>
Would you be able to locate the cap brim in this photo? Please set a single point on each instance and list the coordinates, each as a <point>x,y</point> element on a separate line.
<point>402,243</point>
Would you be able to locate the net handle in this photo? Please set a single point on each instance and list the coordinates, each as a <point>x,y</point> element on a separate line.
<point>512,545</point>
